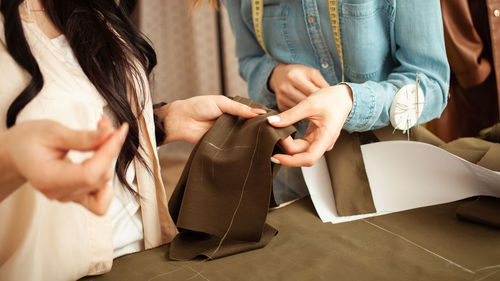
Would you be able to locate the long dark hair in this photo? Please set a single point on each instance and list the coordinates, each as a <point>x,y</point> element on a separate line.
<point>110,50</point>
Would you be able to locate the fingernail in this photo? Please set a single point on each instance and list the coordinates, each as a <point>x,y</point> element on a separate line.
<point>275,161</point>
<point>258,111</point>
<point>273,119</point>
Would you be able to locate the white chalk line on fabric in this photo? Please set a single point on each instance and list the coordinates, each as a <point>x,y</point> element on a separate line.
<point>421,247</point>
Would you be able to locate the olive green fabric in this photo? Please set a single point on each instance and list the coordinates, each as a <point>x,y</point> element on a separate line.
<point>484,210</point>
<point>483,151</point>
<point>348,177</point>
<point>225,189</point>
<point>350,185</point>
<point>420,244</point>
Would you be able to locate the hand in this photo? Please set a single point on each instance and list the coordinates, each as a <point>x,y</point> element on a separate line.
<point>38,150</point>
<point>292,83</point>
<point>327,111</point>
<point>190,119</point>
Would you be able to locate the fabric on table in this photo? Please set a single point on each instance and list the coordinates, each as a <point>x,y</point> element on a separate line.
<point>483,210</point>
<point>491,134</point>
<point>421,244</point>
<point>225,189</point>
<point>348,175</point>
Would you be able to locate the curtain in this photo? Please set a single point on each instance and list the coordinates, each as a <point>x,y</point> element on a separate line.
<point>195,51</point>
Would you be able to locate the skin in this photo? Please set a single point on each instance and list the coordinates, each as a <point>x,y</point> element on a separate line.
<point>303,93</point>
<point>293,83</point>
<point>36,151</point>
<point>190,119</point>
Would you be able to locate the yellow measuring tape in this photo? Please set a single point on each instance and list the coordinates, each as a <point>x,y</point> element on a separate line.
<point>333,11</point>
<point>257,11</point>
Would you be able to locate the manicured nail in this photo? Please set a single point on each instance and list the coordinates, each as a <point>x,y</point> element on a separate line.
<point>258,111</point>
<point>273,119</point>
<point>275,161</point>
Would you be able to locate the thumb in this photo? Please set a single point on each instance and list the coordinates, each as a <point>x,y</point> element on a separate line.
<point>290,116</point>
<point>97,202</point>
<point>85,140</point>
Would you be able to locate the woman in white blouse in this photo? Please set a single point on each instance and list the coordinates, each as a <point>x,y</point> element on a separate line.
<point>64,64</point>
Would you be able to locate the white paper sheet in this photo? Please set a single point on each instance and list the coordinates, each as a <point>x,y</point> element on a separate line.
<point>405,175</point>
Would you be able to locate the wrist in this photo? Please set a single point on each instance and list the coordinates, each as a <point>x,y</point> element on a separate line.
<point>160,133</point>
<point>10,178</point>
<point>167,113</point>
<point>347,93</point>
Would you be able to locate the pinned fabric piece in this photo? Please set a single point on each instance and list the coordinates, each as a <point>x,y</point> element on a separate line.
<point>221,201</point>
<point>351,189</point>
<point>350,185</point>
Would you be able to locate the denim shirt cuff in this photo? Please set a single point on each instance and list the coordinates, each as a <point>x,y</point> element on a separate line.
<point>268,96</point>
<point>363,108</point>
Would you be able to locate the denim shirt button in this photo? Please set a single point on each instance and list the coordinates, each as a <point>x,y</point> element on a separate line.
<point>324,64</point>
<point>310,19</point>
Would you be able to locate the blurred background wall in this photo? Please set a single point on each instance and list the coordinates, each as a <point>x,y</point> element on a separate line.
<point>195,50</point>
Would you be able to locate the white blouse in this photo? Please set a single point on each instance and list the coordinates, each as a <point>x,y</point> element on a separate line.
<point>32,227</point>
<point>124,211</point>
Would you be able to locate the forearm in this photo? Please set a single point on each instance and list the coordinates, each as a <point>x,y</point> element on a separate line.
<point>10,179</point>
<point>420,51</point>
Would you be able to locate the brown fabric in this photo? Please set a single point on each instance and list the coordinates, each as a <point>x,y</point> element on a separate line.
<point>491,134</point>
<point>472,37</point>
<point>421,244</point>
<point>188,244</point>
<point>348,176</point>
<point>226,186</point>
<point>483,210</point>
<point>350,184</point>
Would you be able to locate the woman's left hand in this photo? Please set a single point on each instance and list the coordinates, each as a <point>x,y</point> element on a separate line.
<point>190,119</point>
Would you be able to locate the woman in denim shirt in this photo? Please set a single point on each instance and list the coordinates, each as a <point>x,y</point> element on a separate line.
<point>385,44</point>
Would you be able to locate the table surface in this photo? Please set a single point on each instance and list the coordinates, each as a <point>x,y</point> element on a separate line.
<point>422,244</point>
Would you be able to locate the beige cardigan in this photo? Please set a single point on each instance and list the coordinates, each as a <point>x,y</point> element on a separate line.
<point>41,239</point>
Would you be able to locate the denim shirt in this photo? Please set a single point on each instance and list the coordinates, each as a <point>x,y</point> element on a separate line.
<point>385,44</point>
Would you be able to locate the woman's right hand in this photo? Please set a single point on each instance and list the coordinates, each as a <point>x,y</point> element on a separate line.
<point>292,83</point>
<point>37,150</point>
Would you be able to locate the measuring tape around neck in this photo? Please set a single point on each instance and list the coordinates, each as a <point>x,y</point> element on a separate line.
<point>257,12</point>
<point>333,11</point>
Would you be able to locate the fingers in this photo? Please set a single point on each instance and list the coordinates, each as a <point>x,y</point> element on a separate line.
<point>307,158</point>
<point>288,97</point>
<point>319,80</point>
<point>291,146</point>
<point>98,169</point>
<point>232,107</point>
<point>306,86</point>
<point>97,202</point>
<point>67,179</point>
<point>84,140</point>
<point>292,115</point>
